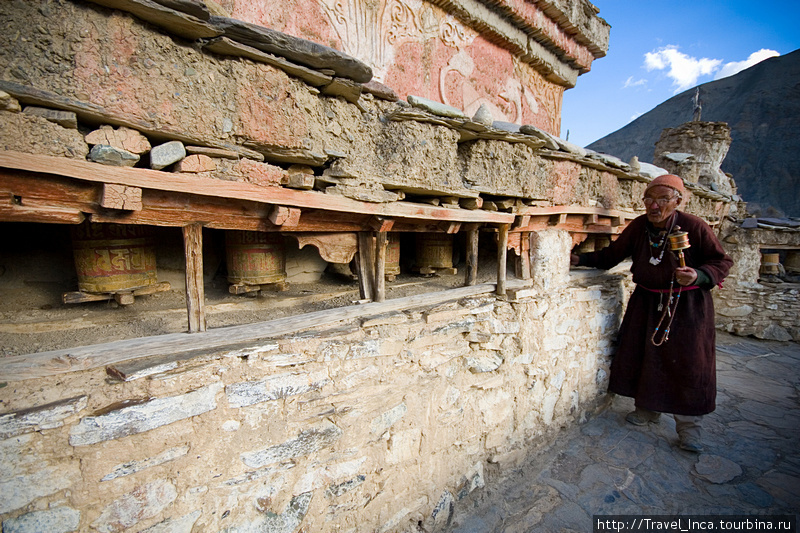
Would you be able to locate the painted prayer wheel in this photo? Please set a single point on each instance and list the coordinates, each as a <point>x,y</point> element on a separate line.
<point>392,267</point>
<point>770,263</point>
<point>113,257</point>
<point>792,262</point>
<point>588,245</point>
<point>254,257</point>
<point>435,250</point>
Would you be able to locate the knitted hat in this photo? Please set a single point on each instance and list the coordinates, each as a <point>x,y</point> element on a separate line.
<point>668,180</point>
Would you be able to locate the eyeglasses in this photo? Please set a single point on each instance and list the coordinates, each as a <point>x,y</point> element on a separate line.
<point>660,201</point>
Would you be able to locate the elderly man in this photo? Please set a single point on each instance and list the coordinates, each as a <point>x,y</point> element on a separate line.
<point>666,357</point>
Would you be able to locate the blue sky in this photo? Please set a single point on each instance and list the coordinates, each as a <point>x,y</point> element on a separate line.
<point>659,48</point>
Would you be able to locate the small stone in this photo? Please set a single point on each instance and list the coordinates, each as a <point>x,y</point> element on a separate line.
<point>9,103</point>
<point>717,469</point>
<point>195,163</point>
<point>57,520</point>
<point>483,116</point>
<point>381,91</point>
<point>220,153</point>
<point>116,157</point>
<point>166,154</point>
<point>436,108</point>
<point>66,119</point>
<point>122,138</point>
<point>550,142</point>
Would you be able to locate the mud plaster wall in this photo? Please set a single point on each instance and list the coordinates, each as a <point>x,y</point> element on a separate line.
<point>373,425</point>
<point>400,39</point>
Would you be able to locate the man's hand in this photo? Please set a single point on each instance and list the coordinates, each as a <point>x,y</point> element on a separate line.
<point>685,275</point>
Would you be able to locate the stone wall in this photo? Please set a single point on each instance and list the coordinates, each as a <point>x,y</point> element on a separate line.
<point>745,306</point>
<point>376,424</point>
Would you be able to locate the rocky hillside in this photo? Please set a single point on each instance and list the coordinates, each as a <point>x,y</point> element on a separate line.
<point>762,107</point>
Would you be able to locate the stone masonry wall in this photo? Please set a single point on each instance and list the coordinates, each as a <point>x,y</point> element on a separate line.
<point>379,424</point>
<point>744,305</point>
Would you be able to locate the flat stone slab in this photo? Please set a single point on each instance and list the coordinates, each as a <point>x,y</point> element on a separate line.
<point>716,469</point>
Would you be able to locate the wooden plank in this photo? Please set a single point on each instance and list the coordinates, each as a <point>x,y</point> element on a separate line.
<point>381,241</point>
<point>502,249</point>
<point>22,367</point>
<point>471,276</point>
<point>195,295</point>
<point>166,181</point>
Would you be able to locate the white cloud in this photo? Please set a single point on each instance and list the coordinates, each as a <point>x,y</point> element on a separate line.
<point>734,67</point>
<point>684,70</point>
<point>631,83</point>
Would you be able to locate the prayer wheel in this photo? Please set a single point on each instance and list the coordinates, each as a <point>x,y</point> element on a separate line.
<point>113,257</point>
<point>588,245</point>
<point>770,264</point>
<point>435,250</point>
<point>254,257</point>
<point>792,262</point>
<point>392,267</point>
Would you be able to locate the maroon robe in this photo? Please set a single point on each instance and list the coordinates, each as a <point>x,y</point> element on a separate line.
<point>679,376</point>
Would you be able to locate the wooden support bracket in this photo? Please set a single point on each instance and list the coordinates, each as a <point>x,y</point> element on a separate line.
<point>381,224</point>
<point>380,267</point>
<point>121,197</point>
<point>333,247</point>
<point>450,227</point>
<point>471,276</point>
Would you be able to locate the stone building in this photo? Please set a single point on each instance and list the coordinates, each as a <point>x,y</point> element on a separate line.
<point>152,142</point>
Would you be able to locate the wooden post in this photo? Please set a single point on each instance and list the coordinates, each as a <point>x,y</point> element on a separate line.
<point>471,276</point>
<point>380,266</point>
<point>195,297</point>
<point>365,264</point>
<point>502,249</point>
<point>523,262</point>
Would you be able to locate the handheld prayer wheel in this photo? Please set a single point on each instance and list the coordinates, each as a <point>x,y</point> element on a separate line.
<point>678,242</point>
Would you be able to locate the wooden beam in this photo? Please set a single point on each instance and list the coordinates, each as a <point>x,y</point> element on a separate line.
<point>471,276</point>
<point>380,267</point>
<point>174,182</point>
<point>502,248</point>
<point>195,295</point>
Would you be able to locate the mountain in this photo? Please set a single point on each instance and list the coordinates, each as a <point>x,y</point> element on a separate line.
<point>762,106</point>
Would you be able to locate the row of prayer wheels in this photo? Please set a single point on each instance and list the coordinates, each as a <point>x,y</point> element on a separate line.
<point>111,258</point>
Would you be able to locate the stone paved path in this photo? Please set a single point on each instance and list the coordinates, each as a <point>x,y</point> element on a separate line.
<point>751,462</point>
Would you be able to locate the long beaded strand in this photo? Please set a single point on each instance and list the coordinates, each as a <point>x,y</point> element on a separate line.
<point>667,313</point>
